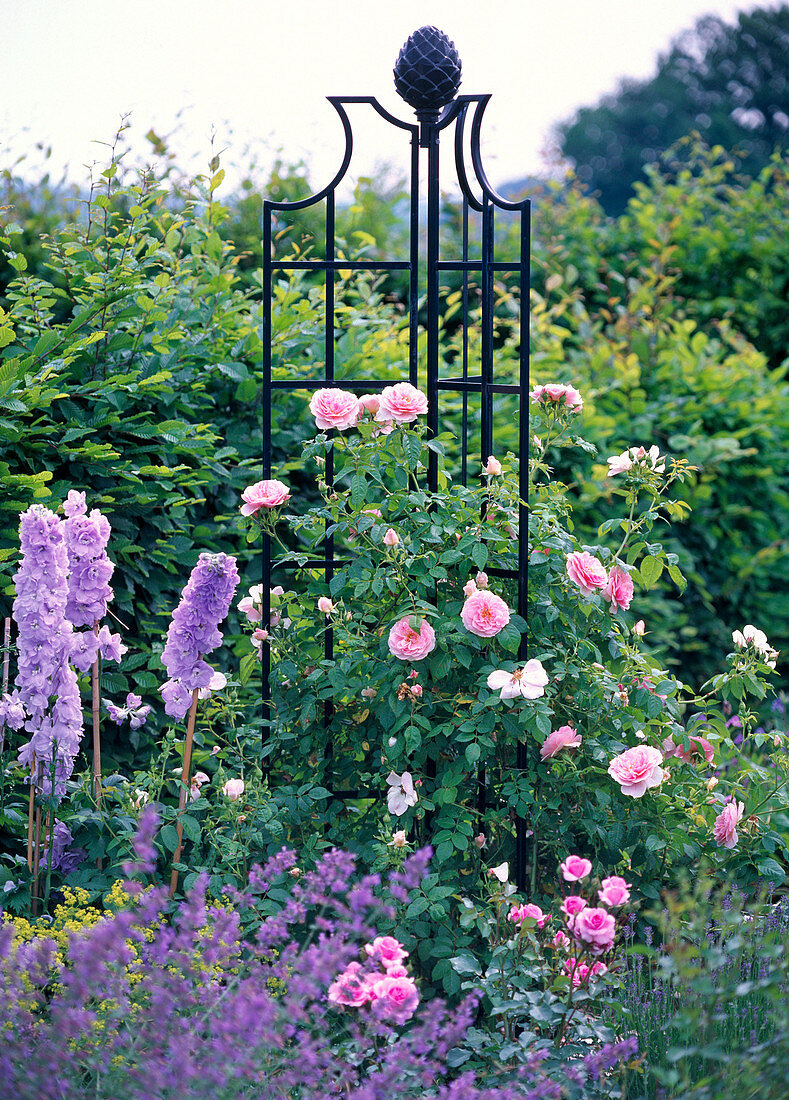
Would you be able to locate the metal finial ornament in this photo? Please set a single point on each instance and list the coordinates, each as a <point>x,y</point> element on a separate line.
<point>428,69</point>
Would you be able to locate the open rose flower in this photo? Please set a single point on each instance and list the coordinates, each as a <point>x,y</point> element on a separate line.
<point>519,913</point>
<point>572,905</point>
<point>349,988</point>
<point>492,467</point>
<point>638,769</point>
<point>402,403</point>
<point>401,793</point>
<point>586,571</point>
<point>528,682</point>
<point>387,951</point>
<point>635,456</point>
<point>619,589</point>
<point>575,868</point>
<point>394,999</point>
<point>725,828</point>
<point>555,393</point>
<point>699,746</point>
<point>614,891</point>
<point>484,614</point>
<point>263,494</point>
<point>409,644</point>
<point>595,928</point>
<point>334,409</point>
<point>750,635</point>
<point>233,789</point>
<point>566,737</point>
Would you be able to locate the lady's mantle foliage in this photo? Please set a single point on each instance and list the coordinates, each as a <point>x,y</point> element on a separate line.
<point>193,632</point>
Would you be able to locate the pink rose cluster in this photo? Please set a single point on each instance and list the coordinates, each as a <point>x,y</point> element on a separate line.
<point>590,575</point>
<point>555,393</point>
<point>340,410</point>
<point>390,992</point>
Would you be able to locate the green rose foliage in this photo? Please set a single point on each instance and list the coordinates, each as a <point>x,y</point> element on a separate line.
<point>346,717</point>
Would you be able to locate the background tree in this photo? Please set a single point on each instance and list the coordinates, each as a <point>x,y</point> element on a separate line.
<point>728,82</point>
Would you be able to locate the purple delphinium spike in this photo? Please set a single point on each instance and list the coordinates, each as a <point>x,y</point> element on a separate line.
<point>134,711</point>
<point>193,632</point>
<point>43,648</point>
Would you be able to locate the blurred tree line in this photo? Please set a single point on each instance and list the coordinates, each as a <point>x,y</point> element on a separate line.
<point>729,83</point>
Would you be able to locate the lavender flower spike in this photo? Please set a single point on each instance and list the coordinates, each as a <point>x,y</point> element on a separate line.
<point>193,632</point>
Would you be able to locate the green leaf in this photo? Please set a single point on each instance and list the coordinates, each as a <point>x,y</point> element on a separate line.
<point>479,554</point>
<point>650,571</point>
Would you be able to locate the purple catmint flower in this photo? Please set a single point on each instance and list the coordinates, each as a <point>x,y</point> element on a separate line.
<point>193,632</point>
<point>43,649</point>
<point>134,711</point>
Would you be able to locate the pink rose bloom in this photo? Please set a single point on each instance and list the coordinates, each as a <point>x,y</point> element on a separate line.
<point>557,394</point>
<point>402,403</point>
<point>482,580</point>
<point>519,913</point>
<point>263,494</point>
<point>370,402</point>
<point>566,737</point>
<point>492,467</point>
<point>619,589</point>
<point>560,940</point>
<point>640,628</point>
<point>725,828</point>
<point>577,972</point>
<point>396,971</point>
<point>349,989</point>
<point>387,951</point>
<point>485,614</point>
<point>596,928</point>
<point>334,409</point>
<point>325,605</point>
<point>391,537</point>
<point>528,682</point>
<point>638,769</point>
<point>480,840</point>
<point>614,892</point>
<point>233,789</point>
<point>573,904</point>
<point>586,571</point>
<point>699,746</point>
<point>469,588</point>
<point>575,868</point>
<point>395,999</point>
<point>409,644</point>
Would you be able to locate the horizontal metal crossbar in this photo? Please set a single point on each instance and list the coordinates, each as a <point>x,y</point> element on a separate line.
<point>344,265</point>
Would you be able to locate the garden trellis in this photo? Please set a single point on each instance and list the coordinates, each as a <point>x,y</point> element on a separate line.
<point>427,76</point>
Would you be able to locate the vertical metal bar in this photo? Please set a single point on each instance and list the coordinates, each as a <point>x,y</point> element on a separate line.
<point>265,458</point>
<point>328,542</point>
<point>413,259</point>
<point>464,314</point>
<point>486,359</point>
<point>524,441</point>
<point>430,137</point>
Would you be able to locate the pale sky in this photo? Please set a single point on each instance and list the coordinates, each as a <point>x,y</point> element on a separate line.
<point>257,72</point>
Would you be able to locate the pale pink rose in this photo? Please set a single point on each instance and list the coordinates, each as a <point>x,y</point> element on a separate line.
<point>416,690</point>
<point>528,682</point>
<point>725,828</point>
<point>370,402</point>
<point>751,635</point>
<point>596,928</point>
<point>263,494</point>
<point>640,628</point>
<point>586,571</point>
<point>557,394</point>
<point>391,537</point>
<point>485,614</point>
<point>218,682</point>
<point>619,589</point>
<point>233,789</point>
<point>399,839</point>
<point>409,644</point>
<point>480,841</point>
<point>369,693</point>
<point>566,737</point>
<point>251,605</point>
<point>386,950</point>
<point>614,891</point>
<point>278,591</point>
<point>492,467</point>
<point>198,779</point>
<point>699,746</point>
<point>334,409</point>
<point>638,769</point>
<point>349,988</point>
<point>396,971</point>
<point>395,999</point>
<point>482,580</point>
<point>560,940</point>
<point>575,868</point>
<point>469,588</point>
<point>519,913</point>
<point>573,904</point>
<point>402,403</point>
<point>502,872</point>
<point>401,793</point>
<point>620,464</point>
<point>325,605</point>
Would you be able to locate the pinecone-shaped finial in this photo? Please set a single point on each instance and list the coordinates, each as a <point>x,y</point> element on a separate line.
<point>427,73</point>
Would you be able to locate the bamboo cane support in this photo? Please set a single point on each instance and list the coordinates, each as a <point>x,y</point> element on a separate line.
<point>190,729</point>
<point>6,653</point>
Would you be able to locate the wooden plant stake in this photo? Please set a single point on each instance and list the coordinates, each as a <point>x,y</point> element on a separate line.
<point>30,814</point>
<point>190,729</point>
<point>6,653</point>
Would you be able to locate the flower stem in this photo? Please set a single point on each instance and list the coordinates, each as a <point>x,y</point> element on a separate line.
<point>190,729</point>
